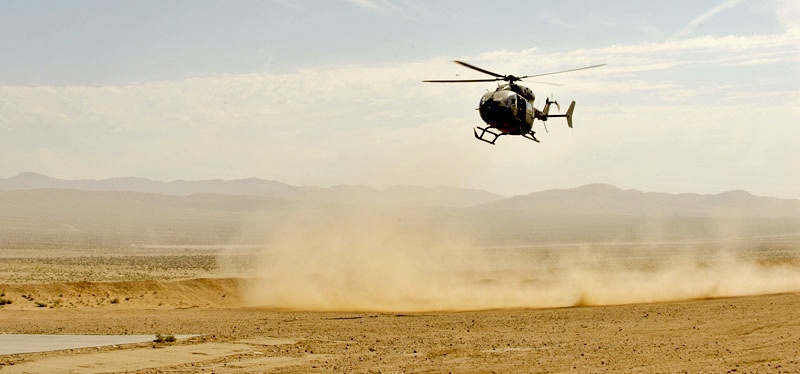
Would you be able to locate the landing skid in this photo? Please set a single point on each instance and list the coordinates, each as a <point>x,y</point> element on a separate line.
<point>484,131</point>
<point>530,135</point>
<point>487,130</point>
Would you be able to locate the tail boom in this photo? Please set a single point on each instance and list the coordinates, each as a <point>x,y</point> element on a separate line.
<point>567,115</point>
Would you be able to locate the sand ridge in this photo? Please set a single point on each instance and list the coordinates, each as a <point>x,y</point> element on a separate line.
<point>186,293</point>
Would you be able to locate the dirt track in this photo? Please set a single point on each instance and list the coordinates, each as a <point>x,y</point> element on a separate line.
<point>748,334</point>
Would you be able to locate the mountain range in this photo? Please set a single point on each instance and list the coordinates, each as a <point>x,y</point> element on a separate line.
<point>398,195</point>
<point>603,199</point>
<point>592,199</point>
<point>37,211</point>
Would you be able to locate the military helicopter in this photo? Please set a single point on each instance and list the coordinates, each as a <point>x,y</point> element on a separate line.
<point>509,109</point>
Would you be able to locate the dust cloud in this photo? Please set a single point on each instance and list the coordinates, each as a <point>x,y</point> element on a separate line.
<point>366,259</point>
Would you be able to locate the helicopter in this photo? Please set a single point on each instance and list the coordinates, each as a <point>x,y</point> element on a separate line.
<point>509,109</point>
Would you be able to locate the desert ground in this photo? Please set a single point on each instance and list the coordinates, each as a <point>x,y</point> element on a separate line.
<point>174,290</point>
<point>340,288</point>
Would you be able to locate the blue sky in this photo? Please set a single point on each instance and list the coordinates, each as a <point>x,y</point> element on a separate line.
<point>698,96</point>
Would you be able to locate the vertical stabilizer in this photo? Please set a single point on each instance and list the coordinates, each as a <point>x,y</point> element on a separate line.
<point>569,114</point>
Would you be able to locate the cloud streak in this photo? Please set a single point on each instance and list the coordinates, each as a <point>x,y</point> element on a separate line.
<point>388,7</point>
<point>705,17</point>
<point>788,14</point>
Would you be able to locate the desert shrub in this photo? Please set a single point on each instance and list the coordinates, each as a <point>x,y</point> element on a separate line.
<point>4,301</point>
<point>114,301</point>
<point>40,304</point>
<point>164,338</point>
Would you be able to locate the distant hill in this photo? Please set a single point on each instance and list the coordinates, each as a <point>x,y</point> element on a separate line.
<point>251,211</point>
<point>588,200</point>
<point>402,195</point>
<point>603,199</point>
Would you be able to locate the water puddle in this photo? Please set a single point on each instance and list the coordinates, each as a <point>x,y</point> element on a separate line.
<point>28,343</point>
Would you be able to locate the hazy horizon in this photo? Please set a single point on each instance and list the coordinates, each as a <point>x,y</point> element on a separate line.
<point>379,188</point>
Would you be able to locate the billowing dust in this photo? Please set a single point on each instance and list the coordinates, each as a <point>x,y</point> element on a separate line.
<point>385,260</point>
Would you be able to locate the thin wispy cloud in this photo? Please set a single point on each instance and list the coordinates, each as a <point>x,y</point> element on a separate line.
<point>705,17</point>
<point>788,14</point>
<point>649,57</point>
<point>380,6</point>
<point>408,10</point>
<point>554,19</point>
<point>289,4</point>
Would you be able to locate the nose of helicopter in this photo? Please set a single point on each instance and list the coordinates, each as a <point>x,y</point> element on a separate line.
<point>497,108</point>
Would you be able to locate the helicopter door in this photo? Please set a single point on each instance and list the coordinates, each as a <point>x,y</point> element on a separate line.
<point>522,108</point>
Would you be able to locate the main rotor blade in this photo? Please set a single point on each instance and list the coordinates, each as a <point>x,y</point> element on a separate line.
<point>460,80</point>
<point>547,83</point>
<point>563,71</point>
<point>484,71</point>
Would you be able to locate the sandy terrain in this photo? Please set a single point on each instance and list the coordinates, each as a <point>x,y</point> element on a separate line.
<point>744,334</point>
<point>750,334</point>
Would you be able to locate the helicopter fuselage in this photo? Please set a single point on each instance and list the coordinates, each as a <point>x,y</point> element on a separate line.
<point>509,109</point>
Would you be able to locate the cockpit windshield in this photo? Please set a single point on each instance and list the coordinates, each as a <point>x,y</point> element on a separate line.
<point>506,99</point>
